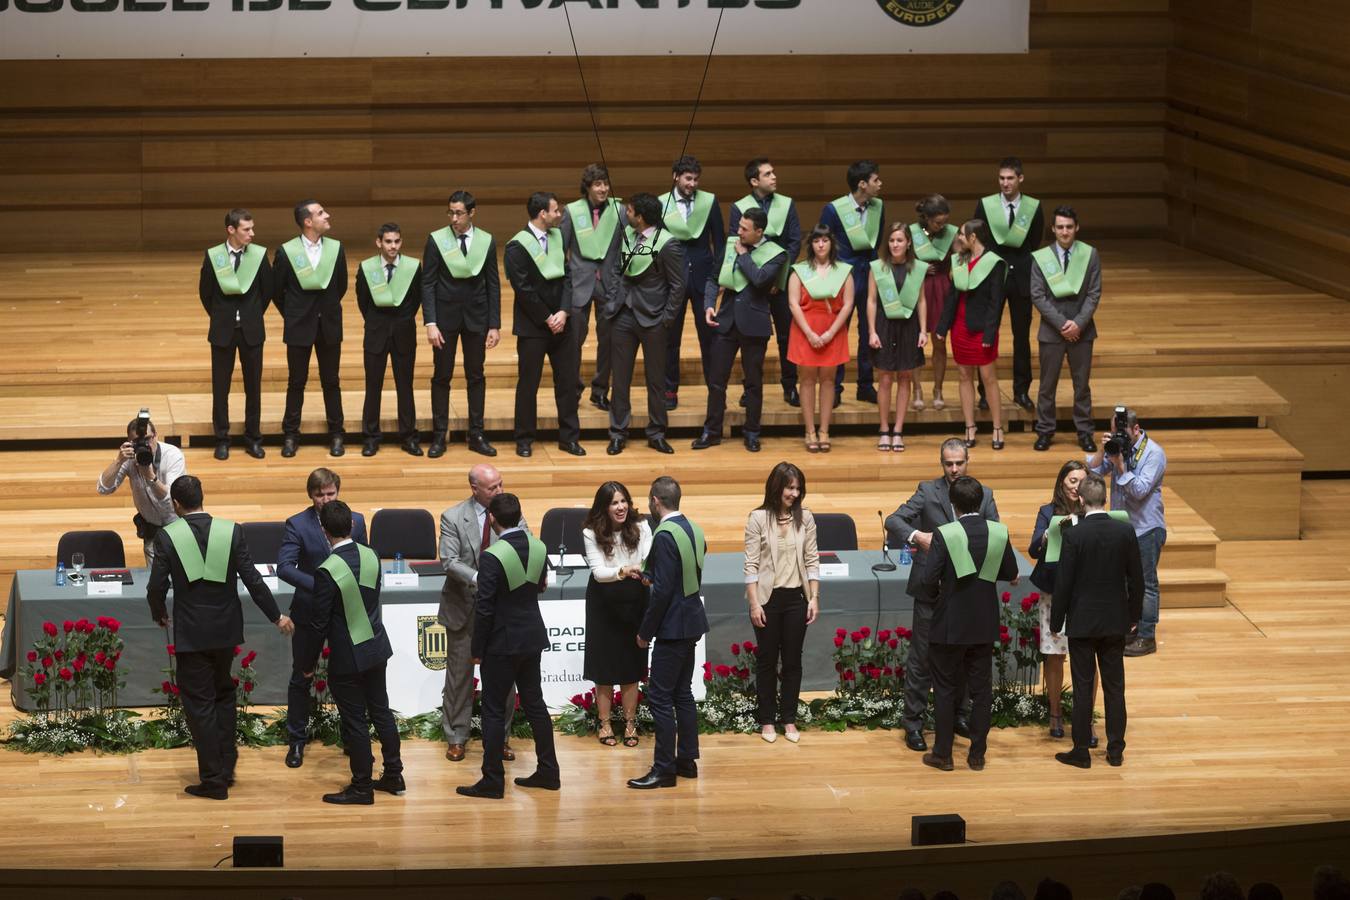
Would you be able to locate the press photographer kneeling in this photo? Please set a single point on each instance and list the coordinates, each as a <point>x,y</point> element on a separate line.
<point>152,468</point>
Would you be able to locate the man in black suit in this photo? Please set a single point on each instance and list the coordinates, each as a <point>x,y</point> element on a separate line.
<point>309,280</point>
<point>961,571</point>
<point>535,266</point>
<point>461,299</point>
<point>508,639</point>
<point>347,614</point>
<point>743,323</point>
<point>1099,588</point>
<point>675,620</point>
<point>640,304</point>
<point>914,523</point>
<point>206,557</point>
<point>388,293</point>
<point>235,289</point>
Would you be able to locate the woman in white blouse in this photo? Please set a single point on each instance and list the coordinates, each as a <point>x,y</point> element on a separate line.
<point>616,544</point>
<point>782,584</point>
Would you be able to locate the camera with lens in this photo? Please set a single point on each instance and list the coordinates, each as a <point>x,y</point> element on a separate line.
<point>140,441</point>
<point>1119,442</point>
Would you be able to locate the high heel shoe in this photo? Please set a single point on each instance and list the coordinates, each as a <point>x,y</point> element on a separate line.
<point>997,443</point>
<point>938,402</point>
<point>812,444</point>
<point>971,431</point>
<point>630,733</point>
<point>916,403</point>
<point>1057,726</point>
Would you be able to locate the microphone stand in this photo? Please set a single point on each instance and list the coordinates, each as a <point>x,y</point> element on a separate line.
<point>885,565</point>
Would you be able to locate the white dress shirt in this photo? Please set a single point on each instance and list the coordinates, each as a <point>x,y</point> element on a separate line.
<point>605,566</point>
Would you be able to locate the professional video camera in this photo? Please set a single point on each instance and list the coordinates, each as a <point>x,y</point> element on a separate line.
<point>140,442</point>
<point>1120,441</point>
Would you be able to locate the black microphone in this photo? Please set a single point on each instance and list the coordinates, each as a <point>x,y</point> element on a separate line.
<point>885,565</point>
<point>562,569</point>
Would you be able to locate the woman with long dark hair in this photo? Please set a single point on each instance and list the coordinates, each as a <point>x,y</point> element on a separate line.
<point>616,542</point>
<point>820,298</point>
<point>933,238</point>
<point>972,318</point>
<point>898,318</point>
<point>782,583</point>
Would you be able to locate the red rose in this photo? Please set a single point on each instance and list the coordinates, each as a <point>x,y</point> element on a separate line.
<point>735,649</point>
<point>110,664</point>
<point>176,690</point>
<point>166,687</point>
<point>248,687</point>
<point>749,647</point>
<point>1036,632</point>
<point>117,655</point>
<point>49,629</point>
<point>888,671</point>
<point>475,681</point>
<point>1027,604</point>
<point>83,625</point>
<point>849,676</point>
<point>236,650</point>
<point>838,641</point>
<point>517,702</point>
<point>68,626</point>
<point>1022,642</point>
<point>883,636</point>
<point>856,637</point>
<point>236,681</point>
<point>1007,596</point>
<point>66,674</point>
<point>723,671</point>
<point>743,674</point>
<point>865,631</point>
<point>707,676</point>
<point>905,633</point>
<point>328,650</point>
<point>40,679</point>
<point>321,685</point>
<point>839,667</point>
<point>78,664</point>
<point>60,655</point>
<point>840,632</point>
<point>100,656</point>
<point>1005,638</point>
<point>1034,596</point>
<point>587,702</point>
<point>32,656</point>
<point>899,671</point>
<point>102,620</point>
<point>169,647</point>
<point>893,644</point>
<point>248,660</point>
<point>113,625</point>
<point>576,700</point>
<point>46,662</point>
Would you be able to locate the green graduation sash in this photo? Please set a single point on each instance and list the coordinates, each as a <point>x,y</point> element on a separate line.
<point>691,552</point>
<point>969,279</point>
<point>232,283</point>
<point>899,303</point>
<point>996,217</point>
<point>732,277</point>
<point>392,292</point>
<point>594,241</point>
<point>676,224</point>
<point>1054,533</point>
<point>216,563</point>
<point>641,262</point>
<point>778,211</point>
<point>958,548</point>
<point>551,264</point>
<point>1062,284</point>
<point>311,278</point>
<point>462,266</point>
<point>353,607</point>
<point>860,236</point>
<point>518,573</point>
<point>822,287</point>
<point>932,249</point>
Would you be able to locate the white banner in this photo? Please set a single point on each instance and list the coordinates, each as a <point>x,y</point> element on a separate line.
<point>229,29</point>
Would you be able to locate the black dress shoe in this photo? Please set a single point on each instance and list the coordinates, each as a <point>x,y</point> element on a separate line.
<point>210,792</point>
<point>1140,646</point>
<point>255,449</point>
<point>222,449</point>
<point>572,448</point>
<point>295,757</point>
<point>599,401</point>
<point>1086,442</point>
<point>370,448</point>
<point>1024,401</point>
<point>752,444</point>
<point>741,402</point>
<point>652,780</point>
<point>790,395</point>
<point>335,447</point>
<point>686,768</point>
<point>838,399</point>
<point>976,763</point>
<point>390,784</point>
<point>660,445</point>
<point>867,393</point>
<point>288,446</point>
<point>705,440</point>
<point>914,741</point>
<point>962,727</point>
<point>539,780</point>
<point>1116,761</point>
<point>480,444</point>
<point>479,789</point>
<point>351,795</point>
<point>1092,742</point>
<point>616,446</point>
<point>437,448</point>
<point>229,780</point>
<point>938,762</point>
<point>524,450</point>
<point>984,403</point>
<point>672,400</point>
<point>1073,758</point>
<point>1043,442</point>
<point>411,447</point>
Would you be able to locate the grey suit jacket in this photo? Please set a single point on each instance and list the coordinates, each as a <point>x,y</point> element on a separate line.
<point>1080,308</point>
<point>656,294</point>
<point>461,536</point>
<point>930,507</point>
<point>581,272</point>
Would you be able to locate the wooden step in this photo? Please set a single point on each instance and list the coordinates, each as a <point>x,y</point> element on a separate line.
<point>1182,588</point>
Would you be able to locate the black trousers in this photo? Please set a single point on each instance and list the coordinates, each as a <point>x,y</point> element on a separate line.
<point>1087,656</point>
<point>362,699</point>
<point>403,385</point>
<point>724,350</point>
<point>566,384</point>
<point>1019,312</point>
<point>222,373</point>
<point>443,370</point>
<point>781,638</point>
<point>580,321</point>
<point>298,699</point>
<point>675,335</point>
<point>208,706</point>
<point>499,674</point>
<point>297,363</point>
<point>918,676</point>
<point>670,697</point>
<point>957,668</point>
<point>864,357</point>
<point>782,327</point>
<point>625,337</point>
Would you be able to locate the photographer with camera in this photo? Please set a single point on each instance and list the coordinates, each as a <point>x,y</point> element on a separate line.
<point>152,467</point>
<point>1136,465</point>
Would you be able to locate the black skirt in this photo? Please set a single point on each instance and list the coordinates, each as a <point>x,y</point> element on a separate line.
<point>900,350</point>
<point>614,611</point>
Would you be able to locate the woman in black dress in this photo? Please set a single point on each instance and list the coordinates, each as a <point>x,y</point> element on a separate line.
<point>898,316</point>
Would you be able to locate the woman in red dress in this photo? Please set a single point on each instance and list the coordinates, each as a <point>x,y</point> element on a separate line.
<point>972,316</point>
<point>820,297</point>
<point>933,240</point>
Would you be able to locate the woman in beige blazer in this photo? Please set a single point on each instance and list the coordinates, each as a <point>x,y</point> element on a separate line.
<point>782,583</point>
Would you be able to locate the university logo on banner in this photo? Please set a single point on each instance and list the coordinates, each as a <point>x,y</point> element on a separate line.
<point>431,643</point>
<point>920,13</point>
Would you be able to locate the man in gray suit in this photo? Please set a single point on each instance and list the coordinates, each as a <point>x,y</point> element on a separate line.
<point>1066,286</point>
<point>914,523</point>
<point>465,533</point>
<point>592,228</point>
<point>641,301</point>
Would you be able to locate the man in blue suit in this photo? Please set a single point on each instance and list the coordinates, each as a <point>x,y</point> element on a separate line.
<point>675,620</point>
<point>858,221</point>
<point>303,548</point>
<point>346,609</point>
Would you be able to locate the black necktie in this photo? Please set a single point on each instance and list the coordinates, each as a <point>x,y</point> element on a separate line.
<point>389,272</point>
<point>238,255</point>
<point>862,211</point>
<point>1011,214</point>
<point>1066,260</point>
<point>464,245</point>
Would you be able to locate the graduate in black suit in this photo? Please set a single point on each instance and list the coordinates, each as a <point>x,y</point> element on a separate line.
<point>675,620</point>
<point>961,571</point>
<point>235,289</point>
<point>508,639</point>
<point>388,293</point>
<point>1099,588</point>
<point>347,613</point>
<point>309,280</point>
<point>461,299</point>
<point>206,557</point>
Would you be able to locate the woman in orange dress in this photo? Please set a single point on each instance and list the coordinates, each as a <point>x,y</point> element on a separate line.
<point>820,297</point>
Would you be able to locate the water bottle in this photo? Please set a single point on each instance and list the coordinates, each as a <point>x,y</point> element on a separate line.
<point>60,574</point>
<point>906,555</point>
<point>400,566</point>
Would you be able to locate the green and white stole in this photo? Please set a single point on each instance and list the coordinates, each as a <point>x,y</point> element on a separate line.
<point>234,283</point>
<point>932,249</point>
<point>732,277</point>
<point>518,572</point>
<point>898,303</point>
<point>312,278</point>
<point>594,240</point>
<point>996,217</point>
<point>824,287</point>
<point>691,553</point>
<point>551,265</point>
<point>390,292</point>
<point>1061,283</point>
<point>353,607</point>
<point>967,279</point>
<point>462,266</point>
<point>778,213</point>
<point>958,549</point>
<point>215,564</point>
<point>676,224</point>
<point>1054,533</point>
<point>641,262</point>
<point>861,236</point>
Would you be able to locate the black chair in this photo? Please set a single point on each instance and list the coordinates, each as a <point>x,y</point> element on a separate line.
<point>836,531</point>
<point>264,540</point>
<point>411,532</point>
<point>101,549</point>
<point>562,525</point>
